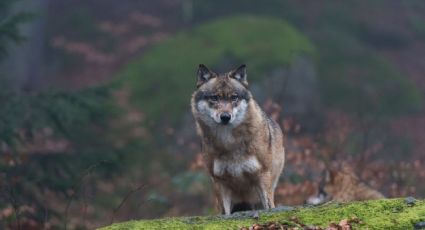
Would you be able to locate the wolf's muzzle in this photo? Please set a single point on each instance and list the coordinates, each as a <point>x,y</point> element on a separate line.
<point>225,118</point>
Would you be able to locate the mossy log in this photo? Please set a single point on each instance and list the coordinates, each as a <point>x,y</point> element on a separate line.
<point>401,213</point>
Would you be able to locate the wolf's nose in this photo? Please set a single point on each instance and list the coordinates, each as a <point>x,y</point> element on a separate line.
<point>225,118</point>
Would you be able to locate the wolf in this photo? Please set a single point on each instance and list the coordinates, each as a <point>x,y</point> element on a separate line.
<point>242,147</point>
<point>342,185</point>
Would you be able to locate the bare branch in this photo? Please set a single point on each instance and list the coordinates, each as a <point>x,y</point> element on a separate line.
<point>131,192</point>
<point>78,186</point>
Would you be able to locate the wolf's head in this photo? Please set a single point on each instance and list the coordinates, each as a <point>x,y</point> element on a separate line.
<point>221,99</point>
<point>334,179</point>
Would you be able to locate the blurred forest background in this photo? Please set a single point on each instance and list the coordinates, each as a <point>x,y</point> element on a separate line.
<point>95,123</point>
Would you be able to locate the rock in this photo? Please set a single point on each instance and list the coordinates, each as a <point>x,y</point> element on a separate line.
<point>242,215</point>
<point>410,201</point>
<point>420,225</point>
<point>256,215</point>
<point>281,208</point>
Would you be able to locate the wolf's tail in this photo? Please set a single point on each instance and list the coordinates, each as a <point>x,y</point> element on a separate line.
<point>242,206</point>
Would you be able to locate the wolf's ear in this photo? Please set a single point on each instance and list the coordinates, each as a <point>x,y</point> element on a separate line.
<point>204,74</point>
<point>240,75</point>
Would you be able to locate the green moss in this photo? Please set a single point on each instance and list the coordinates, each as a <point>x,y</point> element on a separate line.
<point>165,76</point>
<point>378,214</point>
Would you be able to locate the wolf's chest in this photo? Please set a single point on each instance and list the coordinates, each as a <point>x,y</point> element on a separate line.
<point>224,136</point>
<point>236,167</point>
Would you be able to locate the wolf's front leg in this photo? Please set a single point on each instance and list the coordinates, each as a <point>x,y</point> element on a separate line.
<point>226,197</point>
<point>265,192</point>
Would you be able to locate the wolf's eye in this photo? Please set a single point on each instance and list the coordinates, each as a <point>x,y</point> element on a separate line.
<point>213,98</point>
<point>234,97</point>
